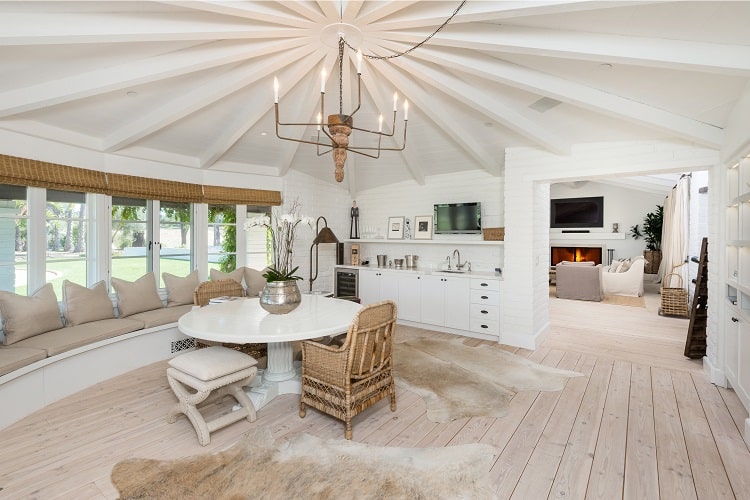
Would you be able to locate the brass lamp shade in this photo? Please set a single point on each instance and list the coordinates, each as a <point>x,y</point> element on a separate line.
<point>325,236</point>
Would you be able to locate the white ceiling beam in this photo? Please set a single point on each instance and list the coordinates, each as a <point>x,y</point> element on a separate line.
<point>270,12</point>
<point>251,113</point>
<point>637,185</point>
<point>412,163</point>
<point>486,104</point>
<point>433,109</point>
<point>182,105</point>
<point>434,14</point>
<point>384,9</point>
<point>568,91</point>
<point>87,28</point>
<point>130,74</point>
<point>681,55</point>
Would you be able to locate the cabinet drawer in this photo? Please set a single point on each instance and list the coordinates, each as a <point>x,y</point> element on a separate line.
<point>482,325</point>
<point>484,284</point>
<point>485,297</point>
<point>484,312</point>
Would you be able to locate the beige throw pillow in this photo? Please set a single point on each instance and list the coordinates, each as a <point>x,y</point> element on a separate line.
<point>180,289</point>
<point>235,275</point>
<point>137,296</point>
<point>614,266</point>
<point>24,317</point>
<point>84,305</point>
<point>254,281</point>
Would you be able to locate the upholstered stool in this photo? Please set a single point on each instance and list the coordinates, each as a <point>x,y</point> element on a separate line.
<point>214,373</point>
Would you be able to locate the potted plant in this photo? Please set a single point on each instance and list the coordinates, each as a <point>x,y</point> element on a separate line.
<point>652,225</point>
<point>281,293</point>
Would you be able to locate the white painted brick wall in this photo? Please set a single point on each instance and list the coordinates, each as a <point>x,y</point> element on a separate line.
<point>318,198</point>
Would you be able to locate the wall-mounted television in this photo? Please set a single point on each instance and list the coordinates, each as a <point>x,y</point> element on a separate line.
<point>577,212</point>
<point>458,218</point>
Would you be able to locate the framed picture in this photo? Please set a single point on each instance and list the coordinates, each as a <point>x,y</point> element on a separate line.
<point>423,227</point>
<point>395,228</point>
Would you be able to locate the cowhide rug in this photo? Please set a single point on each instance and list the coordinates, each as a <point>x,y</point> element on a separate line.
<point>456,380</point>
<point>312,468</point>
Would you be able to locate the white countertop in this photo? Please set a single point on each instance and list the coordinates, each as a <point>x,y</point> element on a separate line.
<point>425,270</point>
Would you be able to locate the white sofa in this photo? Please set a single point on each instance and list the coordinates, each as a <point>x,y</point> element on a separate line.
<point>628,283</point>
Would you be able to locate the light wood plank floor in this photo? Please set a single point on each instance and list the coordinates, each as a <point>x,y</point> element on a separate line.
<point>642,423</point>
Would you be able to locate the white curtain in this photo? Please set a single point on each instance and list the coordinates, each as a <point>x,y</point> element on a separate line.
<point>675,233</point>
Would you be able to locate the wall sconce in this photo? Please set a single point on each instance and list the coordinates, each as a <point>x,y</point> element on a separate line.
<point>324,235</point>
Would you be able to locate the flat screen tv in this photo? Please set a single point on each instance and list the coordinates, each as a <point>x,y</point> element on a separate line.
<point>577,212</point>
<point>458,218</point>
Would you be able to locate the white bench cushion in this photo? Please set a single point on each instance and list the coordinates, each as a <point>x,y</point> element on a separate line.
<point>162,316</point>
<point>212,362</point>
<point>13,358</point>
<point>71,337</point>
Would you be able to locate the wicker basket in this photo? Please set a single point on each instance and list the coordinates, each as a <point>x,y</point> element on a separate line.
<point>493,233</point>
<point>674,301</point>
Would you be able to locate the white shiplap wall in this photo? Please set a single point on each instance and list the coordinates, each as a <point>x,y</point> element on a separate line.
<point>410,199</point>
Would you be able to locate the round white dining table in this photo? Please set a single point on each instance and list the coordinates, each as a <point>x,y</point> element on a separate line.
<point>244,322</point>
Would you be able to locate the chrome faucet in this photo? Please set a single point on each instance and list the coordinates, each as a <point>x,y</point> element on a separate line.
<point>456,253</point>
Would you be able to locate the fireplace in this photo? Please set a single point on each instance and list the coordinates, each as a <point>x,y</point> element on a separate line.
<point>576,254</point>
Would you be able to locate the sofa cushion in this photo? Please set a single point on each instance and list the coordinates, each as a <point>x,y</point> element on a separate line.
<point>180,289</point>
<point>83,305</point>
<point>13,358</point>
<point>614,266</point>
<point>137,296</point>
<point>71,337</point>
<point>24,317</point>
<point>235,275</point>
<point>162,316</point>
<point>254,282</point>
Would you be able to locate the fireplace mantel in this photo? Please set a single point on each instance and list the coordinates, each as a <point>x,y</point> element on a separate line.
<point>585,236</point>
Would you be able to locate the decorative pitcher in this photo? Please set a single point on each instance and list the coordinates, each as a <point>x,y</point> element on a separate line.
<point>280,297</point>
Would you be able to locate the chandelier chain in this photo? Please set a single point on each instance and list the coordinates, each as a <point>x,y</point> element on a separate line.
<point>341,77</point>
<point>399,54</point>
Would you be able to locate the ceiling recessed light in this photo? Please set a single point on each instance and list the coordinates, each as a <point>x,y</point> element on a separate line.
<point>131,93</point>
<point>606,66</point>
<point>264,134</point>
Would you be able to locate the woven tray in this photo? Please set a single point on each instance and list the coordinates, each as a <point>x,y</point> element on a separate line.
<point>493,233</point>
<point>674,301</point>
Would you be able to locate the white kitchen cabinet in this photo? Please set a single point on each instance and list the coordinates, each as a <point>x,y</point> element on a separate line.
<point>485,306</point>
<point>409,307</point>
<point>445,301</point>
<point>376,285</point>
<point>736,278</point>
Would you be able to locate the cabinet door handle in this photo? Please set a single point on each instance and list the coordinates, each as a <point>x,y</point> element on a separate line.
<point>484,312</point>
<point>485,326</point>
<point>485,284</point>
<point>734,320</point>
<point>484,297</point>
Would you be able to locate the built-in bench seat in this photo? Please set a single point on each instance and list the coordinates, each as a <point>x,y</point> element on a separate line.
<point>136,328</point>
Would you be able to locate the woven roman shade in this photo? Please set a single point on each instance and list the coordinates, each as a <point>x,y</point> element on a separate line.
<point>132,186</point>
<point>25,172</point>
<point>239,196</point>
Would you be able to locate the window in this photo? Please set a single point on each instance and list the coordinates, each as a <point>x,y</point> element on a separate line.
<point>222,237</point>
<point>130,238</point>
<point>258,250</point>
<point>66,223</point>
<point>175,256</point>
<point>13,239</point>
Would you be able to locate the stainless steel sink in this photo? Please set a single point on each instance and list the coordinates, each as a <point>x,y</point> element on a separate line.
<point>453,271</point>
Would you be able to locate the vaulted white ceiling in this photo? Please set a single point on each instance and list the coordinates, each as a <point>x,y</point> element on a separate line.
<point>190,82</point>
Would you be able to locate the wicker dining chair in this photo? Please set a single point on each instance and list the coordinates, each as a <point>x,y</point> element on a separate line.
<point>208,290</point>
<point>342,381</point>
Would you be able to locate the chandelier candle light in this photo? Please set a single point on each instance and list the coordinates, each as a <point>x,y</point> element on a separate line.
<point>339,127</point>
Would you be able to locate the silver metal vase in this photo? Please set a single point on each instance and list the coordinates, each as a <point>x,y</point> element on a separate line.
<point>280,297</point>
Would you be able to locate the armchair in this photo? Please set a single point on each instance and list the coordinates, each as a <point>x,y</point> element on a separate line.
<point>579,280</point>
<point>343,381</point>
<point>628,283</point>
